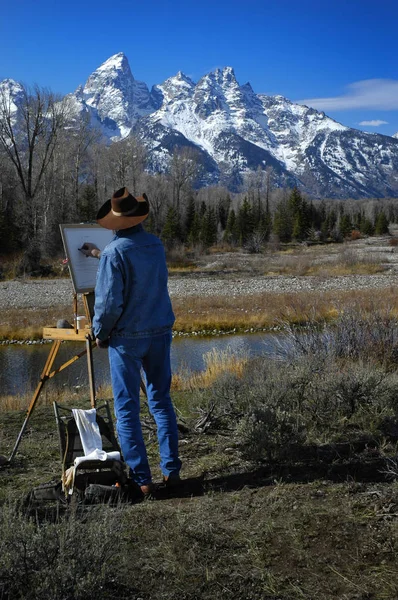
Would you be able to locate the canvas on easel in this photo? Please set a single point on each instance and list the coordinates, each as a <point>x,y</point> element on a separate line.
<point>83,270</point>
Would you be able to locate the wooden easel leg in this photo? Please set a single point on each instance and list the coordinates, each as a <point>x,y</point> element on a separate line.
<point>90,366</point>
<point>88,303</point>
<point>44,376</point>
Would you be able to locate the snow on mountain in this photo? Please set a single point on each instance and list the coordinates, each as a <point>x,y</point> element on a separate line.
<point>234,131</point>
<point>395,135</point>
<point>11,94</point>
<point>219,117</point>
<point>241,130</point>
<point>114,98</point>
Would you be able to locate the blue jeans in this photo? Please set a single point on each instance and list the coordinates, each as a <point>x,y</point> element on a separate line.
<point>126,357</point>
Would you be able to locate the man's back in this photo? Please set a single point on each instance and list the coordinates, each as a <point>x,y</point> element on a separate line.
<point>132,298</point>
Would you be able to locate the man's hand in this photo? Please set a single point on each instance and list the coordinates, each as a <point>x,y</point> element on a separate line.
<point>89,249</point>
<point>102,343</point>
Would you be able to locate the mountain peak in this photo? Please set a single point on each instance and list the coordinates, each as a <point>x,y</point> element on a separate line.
<point>248,87</point>
<point>11,91</point>
<point>116,62</point>
<point>115,97</point>
<point>182,77</point>
<point>115,68</point>
<point>10,84</point>
<point>227,71</point>
<point>113,72</point>
<point>178,87</point>
<point>224,75</point>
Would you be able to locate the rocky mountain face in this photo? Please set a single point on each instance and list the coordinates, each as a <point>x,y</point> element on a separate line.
<point>234,131</point>
<point>113,98</point>
<point>11,95</point>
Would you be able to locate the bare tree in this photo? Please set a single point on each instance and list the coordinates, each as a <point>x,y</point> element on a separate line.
<point>29,132</point>
<point>184,169</point>
<point>157,190</point>
<point>83,137</point>
<point>118,163</point>
<point>125,163</point>
<point>137,161</point>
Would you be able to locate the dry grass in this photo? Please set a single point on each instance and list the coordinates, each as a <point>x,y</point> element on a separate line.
<point>266,310</point>
<point>47,397</point>
<point>224,313</point>
<point>325,261</point>
<point>216,362</point>
<point>28,323</point>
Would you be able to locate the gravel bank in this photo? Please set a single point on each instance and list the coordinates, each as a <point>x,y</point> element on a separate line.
<point>52,292</point>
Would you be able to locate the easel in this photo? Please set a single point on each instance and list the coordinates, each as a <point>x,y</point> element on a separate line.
<point>59,335</point>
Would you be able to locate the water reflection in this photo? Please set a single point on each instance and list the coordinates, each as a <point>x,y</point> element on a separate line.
<point>21,365</point>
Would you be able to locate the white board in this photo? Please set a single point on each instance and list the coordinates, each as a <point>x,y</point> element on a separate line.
<point>83,269</point>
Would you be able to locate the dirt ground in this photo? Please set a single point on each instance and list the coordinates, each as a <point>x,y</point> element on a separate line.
<point>323,529</point>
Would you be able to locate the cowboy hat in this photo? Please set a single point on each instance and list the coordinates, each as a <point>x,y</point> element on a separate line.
<point>123,210</point>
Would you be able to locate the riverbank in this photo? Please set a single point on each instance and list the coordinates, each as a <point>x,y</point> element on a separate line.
<point>210,313</point>
<point>36,294</point>
<point>234,292</point>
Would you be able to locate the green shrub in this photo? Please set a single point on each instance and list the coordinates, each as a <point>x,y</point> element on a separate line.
<point>269,433</point>
<point>72,559</point>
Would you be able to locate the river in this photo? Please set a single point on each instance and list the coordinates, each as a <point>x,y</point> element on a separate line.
<point>21,365</point>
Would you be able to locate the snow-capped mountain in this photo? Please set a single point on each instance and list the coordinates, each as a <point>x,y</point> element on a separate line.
<point>114,98</point>
<point>11,94</point>
<point>234,131</point>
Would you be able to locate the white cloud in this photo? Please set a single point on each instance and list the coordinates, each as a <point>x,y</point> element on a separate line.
<point>373,123</point>
<point>379,94</point>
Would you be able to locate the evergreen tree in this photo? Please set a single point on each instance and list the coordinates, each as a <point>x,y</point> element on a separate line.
<point>381,224</point>
<point>88,204</point>
<point>332,219</point>
<point>257,211</point>
<point>299,226</point>
<point>245,222</point>
<point>282,222</point>
<point>325,231</point>
<point>222,215</point>
<point>209,228</point>
<point>294,202</point>
<point>366,226</point>
<point>300,215</point>
<point>190,216</point>
<point>345,226</point>
<point>318,215</point>
<point>195,231</point>
<point>172,228</point>
<point>230,234</point>
<point>203,208</point>
<point>357,220</point>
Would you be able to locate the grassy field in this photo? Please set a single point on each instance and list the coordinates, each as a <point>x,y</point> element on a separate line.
<point>290,485</point>
<point>290,466</point>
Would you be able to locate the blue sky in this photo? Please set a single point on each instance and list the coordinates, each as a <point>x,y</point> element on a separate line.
<point>338,56</point>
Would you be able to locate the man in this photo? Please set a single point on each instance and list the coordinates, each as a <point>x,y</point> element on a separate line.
<point>133,318</point>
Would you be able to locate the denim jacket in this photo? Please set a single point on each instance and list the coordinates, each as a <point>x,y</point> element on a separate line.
<point>131,295</point>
